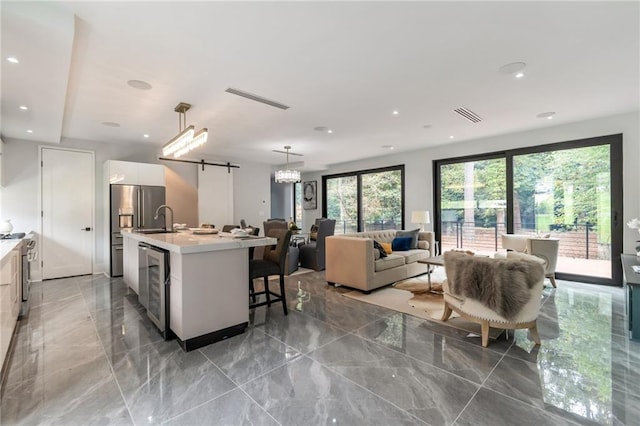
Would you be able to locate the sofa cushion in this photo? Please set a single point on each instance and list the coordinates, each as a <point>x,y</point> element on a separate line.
<point>424,245</point>
<point>413,234</point>
<point>401,244</point>
<point>387,247</point>
<point>411,256</point>
<point>391,261</point>
<point>381,250</point>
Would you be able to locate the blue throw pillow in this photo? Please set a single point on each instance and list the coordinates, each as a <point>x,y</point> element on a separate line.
<point>377,246</point>
<point>401,244</point>
<point>413,234</point>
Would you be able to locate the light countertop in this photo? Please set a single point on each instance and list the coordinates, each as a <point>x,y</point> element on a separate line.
<point>187,242</point>
<point>6,246</point>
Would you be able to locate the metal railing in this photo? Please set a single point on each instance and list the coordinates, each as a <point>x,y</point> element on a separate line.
<point>351,226</point>
<point>578,240</point>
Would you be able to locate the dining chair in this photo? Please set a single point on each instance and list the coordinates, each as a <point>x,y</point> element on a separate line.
<point>272,263</point>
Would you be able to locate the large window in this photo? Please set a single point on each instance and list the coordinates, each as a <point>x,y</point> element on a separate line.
<point>570,191</point>
<point>365,200</point>
<point>297,203</point>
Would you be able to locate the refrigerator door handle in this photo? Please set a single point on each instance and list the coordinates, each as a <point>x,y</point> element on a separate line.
<point>142,212</point>
<point>138,209</point>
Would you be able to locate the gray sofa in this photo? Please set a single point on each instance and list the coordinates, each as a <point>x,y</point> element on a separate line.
<point>352,261</point>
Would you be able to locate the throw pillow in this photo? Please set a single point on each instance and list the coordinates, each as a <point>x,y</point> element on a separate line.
<point>413,234</point>
<point>401,244</point>
<point>381,250</point>
<point>313,233</point>
<point>387,247</point>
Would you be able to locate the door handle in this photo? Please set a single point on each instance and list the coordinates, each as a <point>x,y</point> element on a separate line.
<point>88,228</point>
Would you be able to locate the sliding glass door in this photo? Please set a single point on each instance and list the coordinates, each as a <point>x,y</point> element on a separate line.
<point>366,200</point>
<point>566,194</point>
<point>569,191</point>
<point>473,203</point>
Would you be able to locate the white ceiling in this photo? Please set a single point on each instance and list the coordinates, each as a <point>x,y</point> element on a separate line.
<point>343,65</point>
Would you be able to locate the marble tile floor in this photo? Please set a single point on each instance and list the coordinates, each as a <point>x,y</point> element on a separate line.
<point>87,354</point>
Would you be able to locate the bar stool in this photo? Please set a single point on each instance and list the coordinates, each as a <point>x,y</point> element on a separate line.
<point>272,263</point>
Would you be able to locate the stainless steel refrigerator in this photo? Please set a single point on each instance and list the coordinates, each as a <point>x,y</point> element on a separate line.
<point>132,208</point>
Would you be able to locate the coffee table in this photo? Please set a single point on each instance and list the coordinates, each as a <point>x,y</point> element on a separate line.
<point>435,261</point>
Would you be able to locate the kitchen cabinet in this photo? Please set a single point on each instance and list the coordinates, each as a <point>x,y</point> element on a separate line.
<point>10,298</point>
<point>1,163</point>
<point>132,173</point>
<point>130,264</point>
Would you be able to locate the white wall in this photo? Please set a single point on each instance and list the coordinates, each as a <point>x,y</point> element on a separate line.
<point>419,170</point>
<point>252,190</point>
<point>20,196</point>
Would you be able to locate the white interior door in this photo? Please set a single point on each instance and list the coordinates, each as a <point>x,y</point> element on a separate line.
<point>215,196</point>
<point>67,212</point>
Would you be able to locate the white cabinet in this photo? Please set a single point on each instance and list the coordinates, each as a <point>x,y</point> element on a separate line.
<point>150,174</point>
<point>10,298</point>
<point>130,263</point>
<point>131,173</point>
<point>1,161</point>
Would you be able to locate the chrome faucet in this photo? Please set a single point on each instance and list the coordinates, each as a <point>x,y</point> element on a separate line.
<point>170,228</point>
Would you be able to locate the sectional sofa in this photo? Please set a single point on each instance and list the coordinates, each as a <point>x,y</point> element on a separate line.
<point>352,261</point>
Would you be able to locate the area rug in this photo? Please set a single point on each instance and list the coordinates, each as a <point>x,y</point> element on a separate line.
<point>429,306</point>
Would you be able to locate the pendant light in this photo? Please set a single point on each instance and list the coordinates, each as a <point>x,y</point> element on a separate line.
<point>186,140</point>
<point>287,176</point>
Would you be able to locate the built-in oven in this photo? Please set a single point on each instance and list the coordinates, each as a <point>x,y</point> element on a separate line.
<point>29,254</point>
<point>153,285</point>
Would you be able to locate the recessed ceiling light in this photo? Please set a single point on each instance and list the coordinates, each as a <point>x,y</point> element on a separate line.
<point>451,137</point>
<point>110,124</point>
<point>329,131</point>
<point>139,84</point>
<point>512,68</point>
<point>24,107</point>
<point>548,115</point>
<point>13,60</point>
<point>396,112</point>
<point>388,146</point>
<point>146,135</point>
<point>29,131</point>
<point>519,75</point>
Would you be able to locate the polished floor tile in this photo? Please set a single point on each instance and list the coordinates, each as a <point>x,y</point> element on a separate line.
<point>88,354</point>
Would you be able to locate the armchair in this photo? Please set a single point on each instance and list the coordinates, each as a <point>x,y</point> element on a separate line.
<point>544,248</point>
<point>547,250</point>
<point>499,293</point>
<point>312,254</point>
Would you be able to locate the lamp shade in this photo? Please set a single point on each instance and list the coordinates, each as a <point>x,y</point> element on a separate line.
<point>420,216</point>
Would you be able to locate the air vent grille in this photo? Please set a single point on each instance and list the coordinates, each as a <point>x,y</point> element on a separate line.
<point>256,98</point>
<point>468,114</point>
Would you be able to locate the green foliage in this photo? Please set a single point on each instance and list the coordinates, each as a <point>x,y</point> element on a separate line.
<point>381,198</point>
<point>552,190</point>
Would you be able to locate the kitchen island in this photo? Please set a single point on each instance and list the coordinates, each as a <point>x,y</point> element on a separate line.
<point>209,276</point>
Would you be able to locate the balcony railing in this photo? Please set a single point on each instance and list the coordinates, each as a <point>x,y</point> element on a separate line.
<point>579,240</point>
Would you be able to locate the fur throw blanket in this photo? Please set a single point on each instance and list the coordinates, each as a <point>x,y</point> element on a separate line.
<point>502,285</point>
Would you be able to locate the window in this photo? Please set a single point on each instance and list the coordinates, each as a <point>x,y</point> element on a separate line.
<point>297,203</point>
<point>366,200</point>
<point>571,191</point>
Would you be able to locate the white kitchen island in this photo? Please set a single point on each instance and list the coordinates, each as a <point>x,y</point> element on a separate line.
<point>209,290</point>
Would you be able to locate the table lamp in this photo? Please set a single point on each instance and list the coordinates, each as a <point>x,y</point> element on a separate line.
<point>421,217</point>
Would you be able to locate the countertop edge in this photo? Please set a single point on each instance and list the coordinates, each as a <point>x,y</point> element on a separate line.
<point>183,247</point>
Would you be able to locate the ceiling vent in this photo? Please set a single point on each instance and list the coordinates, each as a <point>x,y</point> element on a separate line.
<point>468,114</point>
<point>256,98</point>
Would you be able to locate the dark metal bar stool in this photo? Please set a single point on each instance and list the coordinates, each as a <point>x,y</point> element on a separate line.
<point>272,263</point>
